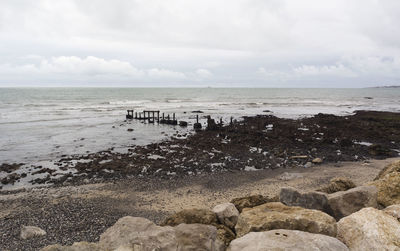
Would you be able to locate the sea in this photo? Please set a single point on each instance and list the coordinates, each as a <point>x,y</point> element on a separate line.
<point>43,124</point>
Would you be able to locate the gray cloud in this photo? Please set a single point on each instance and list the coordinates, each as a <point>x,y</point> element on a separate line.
<point>225,43</point>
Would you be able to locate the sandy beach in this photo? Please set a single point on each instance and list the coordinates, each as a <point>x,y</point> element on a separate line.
<point>81,213</point>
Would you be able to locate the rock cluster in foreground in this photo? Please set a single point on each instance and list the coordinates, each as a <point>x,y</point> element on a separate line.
<point>343,217</point>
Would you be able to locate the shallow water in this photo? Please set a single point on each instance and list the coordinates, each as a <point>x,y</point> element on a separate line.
<point>39,124</point>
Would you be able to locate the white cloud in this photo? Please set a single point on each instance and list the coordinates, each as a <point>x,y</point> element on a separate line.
<point>165,74</point>
<point>203,73</point>
<point>150,40</point>
<point>337,70</point>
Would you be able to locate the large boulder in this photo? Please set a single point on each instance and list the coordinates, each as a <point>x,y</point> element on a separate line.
<point>393,210</point>
<point>286,240</point>
<point>135,233</point>
<point>311,200</point>
<point>130,232</point>
<point>227,214</point>
<point>251,201</point>
<point>388,189</point>
<point>393,167</point>
<point>275,215</point>
<point>191,216</point>
<point>141,234</point>
<point>347,202</point>
<point>28,232</point>
<point>369,229</point>
<point>338,184</point>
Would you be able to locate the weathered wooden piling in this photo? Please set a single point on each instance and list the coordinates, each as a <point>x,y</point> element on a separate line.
<point>197,125</point>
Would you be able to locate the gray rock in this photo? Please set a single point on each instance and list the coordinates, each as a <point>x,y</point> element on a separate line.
<point>227,214</point>
<point>347,202</point>
<point>308,165</point>
<point>369,229</point>
<point>28,232</point>
<point>311,200</point>
<point>286,240</point>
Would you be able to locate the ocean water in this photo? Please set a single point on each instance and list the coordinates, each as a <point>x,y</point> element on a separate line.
<point>42,124</point>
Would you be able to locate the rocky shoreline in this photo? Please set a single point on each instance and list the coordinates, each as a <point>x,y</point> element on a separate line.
<point>365,217</point>
<point>255,143</point>
<point>77,213</point>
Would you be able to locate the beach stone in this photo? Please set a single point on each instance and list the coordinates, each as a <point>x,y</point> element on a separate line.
<point>77,246</point>
<point>28,232</point>
<point>393,210</point>
<point>369,229</point>
<point>290,176</point>
<point>275,215</point>
<point>311,200</point>
<point>392,167</point>
<point>347,202</point>
<point>136,233</point>
<point>308,165</point>
<point>251,201</point>
<point>338,184</point>
<point>191,216</point>
<point>227,214</point>
<point>286,240</point>
<point>317,161</point>
<point>388,189</point>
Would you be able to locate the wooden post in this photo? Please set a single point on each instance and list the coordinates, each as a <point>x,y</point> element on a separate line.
<point>158,116</point>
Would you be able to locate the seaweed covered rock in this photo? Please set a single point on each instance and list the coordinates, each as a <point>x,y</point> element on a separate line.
<point>379,151</point>
<point>251,201</point>
<point>338,184</point>
<point>275,215</point>
<point>369,229</point>
<point>283,239</point>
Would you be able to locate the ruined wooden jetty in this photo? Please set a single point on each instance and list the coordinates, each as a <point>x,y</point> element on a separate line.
<point>167,120</point>
<point>130,114</point>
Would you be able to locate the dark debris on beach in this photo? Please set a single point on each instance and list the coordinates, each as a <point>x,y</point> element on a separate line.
<point>260,142</point>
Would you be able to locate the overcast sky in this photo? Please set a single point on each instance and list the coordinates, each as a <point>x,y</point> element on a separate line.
<point>254,43</point>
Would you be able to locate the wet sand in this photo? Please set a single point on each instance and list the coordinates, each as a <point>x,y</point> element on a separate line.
<point>81,213</point>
